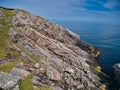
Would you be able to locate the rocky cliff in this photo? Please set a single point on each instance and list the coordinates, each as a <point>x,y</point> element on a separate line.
<point>36,54</point>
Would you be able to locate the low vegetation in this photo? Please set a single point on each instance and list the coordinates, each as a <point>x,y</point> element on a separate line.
<point>9,66</point>
<point>103,87</point>
<point>44,88</point>
<point>26,83</point>
<point>33,57</point>
<point>5,24</point>
<point>98,68</point>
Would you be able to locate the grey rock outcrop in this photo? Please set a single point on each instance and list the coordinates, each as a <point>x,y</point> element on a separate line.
<point>9,82</point>
<point>117,76</point>
<point>19,72</point>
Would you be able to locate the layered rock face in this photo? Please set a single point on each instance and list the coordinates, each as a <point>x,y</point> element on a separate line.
<point>55,56</point>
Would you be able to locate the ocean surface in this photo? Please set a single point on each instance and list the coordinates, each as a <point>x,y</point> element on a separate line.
<point>104,36</point>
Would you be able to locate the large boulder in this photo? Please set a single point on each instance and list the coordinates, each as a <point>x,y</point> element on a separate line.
<point>53,74</point>
<point>9,82</point>
<point>117,76</point>
<point>19,72</point>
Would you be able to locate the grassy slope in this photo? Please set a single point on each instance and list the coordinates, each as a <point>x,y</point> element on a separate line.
<point>5,24</point>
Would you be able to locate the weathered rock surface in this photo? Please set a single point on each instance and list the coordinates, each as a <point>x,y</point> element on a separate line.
<point>9,82</point>
<point>117,78</point>
<point>19,72</point>
<point>56,55</point>
<point>53,74</point>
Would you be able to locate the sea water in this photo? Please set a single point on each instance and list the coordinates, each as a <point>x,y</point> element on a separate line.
<point>104,36</point>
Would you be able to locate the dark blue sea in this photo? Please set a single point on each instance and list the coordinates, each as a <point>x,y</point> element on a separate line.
<point>105,36</point>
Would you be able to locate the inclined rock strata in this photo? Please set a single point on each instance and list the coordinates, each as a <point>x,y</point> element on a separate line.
<point>9,82</point>
<point>66,62</point>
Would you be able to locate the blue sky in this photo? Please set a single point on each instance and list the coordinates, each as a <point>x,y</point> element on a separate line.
<point>84,10</point>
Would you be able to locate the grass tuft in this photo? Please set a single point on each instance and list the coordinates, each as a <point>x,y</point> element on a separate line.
<point>26,83</point>
<point>44,88</point>
<point>9,66</point>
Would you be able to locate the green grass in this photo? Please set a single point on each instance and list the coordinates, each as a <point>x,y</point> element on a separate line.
<point>15,55</point>
<point>13,51</point>
<point>3,40</point>
<point>5,24</point>
<point>43,19</point>
<point>44,88</point>
<point>26,83</point>
<point>52,26</point>
<point>19,30</point>
<point>33,57</point>
<point>8,13</point>
<point>9,66</point>
<point>33,26</point>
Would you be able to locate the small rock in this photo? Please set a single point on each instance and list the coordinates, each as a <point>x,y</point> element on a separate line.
<point>16,88</point>
<point>35,80</point>
<point>19,72</point>
<point>69,70</point>
<point>117,67</point>
<point>37,71</point>
<point>12,31</point>
<point>81,86</point>
<point>31,69</point>
<point>20,64</point>
<point>57,88</point>
<point>35,87</point>
<point>53,74</point>
<point>117,71</point>
<point>37,65</point>
<point>42,70</point>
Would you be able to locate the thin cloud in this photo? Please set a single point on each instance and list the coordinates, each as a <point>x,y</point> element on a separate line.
<point>67,9</point>
<point>111,4</point>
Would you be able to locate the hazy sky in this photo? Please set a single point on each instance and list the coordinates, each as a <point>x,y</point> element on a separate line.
<point>87,10</point>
